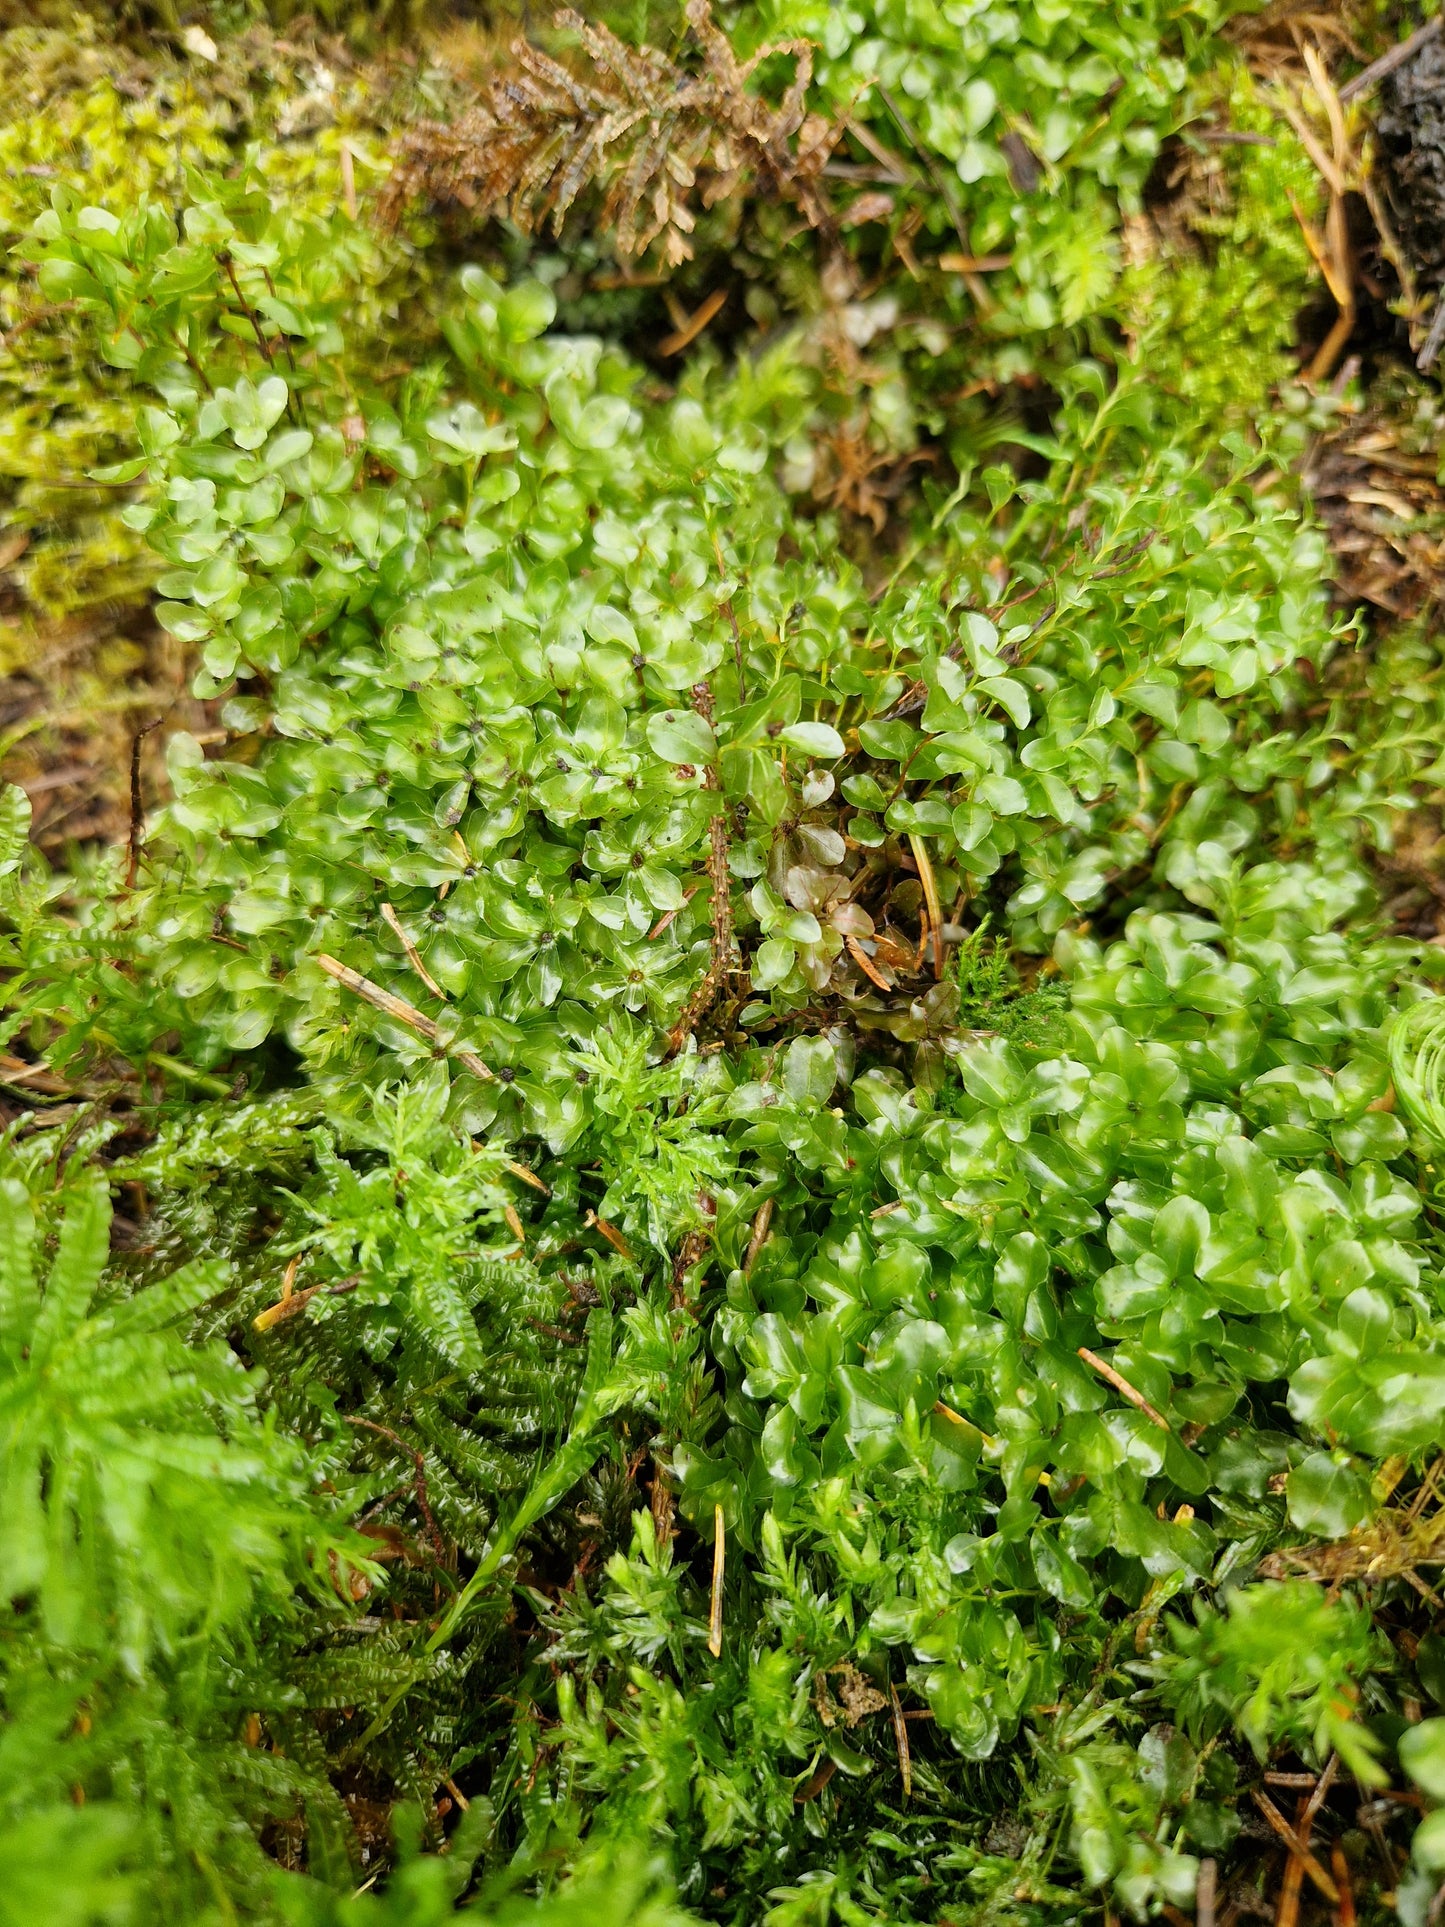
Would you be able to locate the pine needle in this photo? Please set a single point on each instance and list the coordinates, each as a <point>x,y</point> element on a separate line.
<point>390,1005</point>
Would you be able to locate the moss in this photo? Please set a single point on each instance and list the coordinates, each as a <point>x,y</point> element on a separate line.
<point>80,111</point>
<point>1222,271</point>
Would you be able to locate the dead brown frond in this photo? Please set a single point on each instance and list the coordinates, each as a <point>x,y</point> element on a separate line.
<point>657,138</point>
<point>861,479</point>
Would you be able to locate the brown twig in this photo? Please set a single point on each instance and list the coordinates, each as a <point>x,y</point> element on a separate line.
<point>137,807</point>
<point>694,1010</point>
<point>422,1500</point>
<point>556,1332</point>
<point>762,1224</point>
<point>1122,1386</point>
<point>250,313</point>
<point>724,948</point>
<point>900,1739</point>
<point>413,955</point>
<point>1318,1797</point>
<point>288,1280</point>
<point>688,333</point>
<point>1387,63</point>
<point>974,263</point>
<point>1331,250</point>
<point>1287,1912</point>
<point>662,1500</point>
<point>930,895</point>
<point>690,1254</point>
<point>1341,1869</point>
<point>665,921</point>
<point>36,1077</point>
<point>1291,1839</point>
<point>33,320</point>
<point>1427,1490</point>
<point>398,1008</point>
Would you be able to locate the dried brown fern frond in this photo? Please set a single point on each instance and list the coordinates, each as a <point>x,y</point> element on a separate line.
<point>653,136</point>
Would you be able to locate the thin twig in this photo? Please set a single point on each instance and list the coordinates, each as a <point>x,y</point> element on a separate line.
<point>1124,1388</point>
<point>1427,1489</point>
<point>1387,63</point>
<point>1291,1839</point>
<point>33,320</point>
<point>422,1501</point>
<point>665,921</point>
<point>724,949</point>
<point>930,895</point>
<point>1287,1912</point>
<point>813,1787</point>
<point>719,1562</point>
<point>974,263</point>
<point>939,179</point>
<point>137,807</point>
<point>684,337</point>
<point>250,313</point>
<point>762,1224</point>
<point>413,955</point>
<point>1318,1796</point>
<point>1390,246</point>
<point>391,1005</point>
<point>1341,1869</point>
<point>1333,253</point>
<point>900,1737</point>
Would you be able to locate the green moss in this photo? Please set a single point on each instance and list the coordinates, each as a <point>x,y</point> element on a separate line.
<point>615,1318</point>
<point>1220,298</point>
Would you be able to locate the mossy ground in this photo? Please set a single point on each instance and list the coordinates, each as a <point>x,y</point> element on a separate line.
<point>720,1078</point>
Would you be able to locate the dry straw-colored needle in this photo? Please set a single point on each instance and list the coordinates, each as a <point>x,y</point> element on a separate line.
<point>719,1562</point>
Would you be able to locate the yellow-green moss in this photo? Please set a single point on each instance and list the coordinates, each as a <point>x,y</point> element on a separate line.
<point>1222,296</point>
